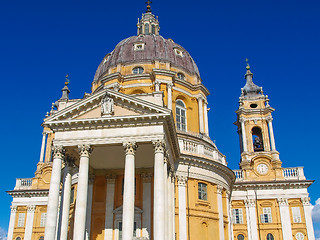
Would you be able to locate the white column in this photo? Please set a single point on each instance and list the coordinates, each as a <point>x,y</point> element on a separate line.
<point>29,222</point>
<point>43,145</point>
<point>54,192</point>
<point>66,201</point>
<point>128,191</point>
<point>182,181</point>
<point>285,219</point>
<point>200,114</point>
<point>82,193</point>
<point>220,209</point>
<point>243,133</point>
<point>89,207</point>
<point>205,109</point>
<point>170,196</point>
<point>273,144</point>
<point>146,214</point>
<point>166,211</point>
<point>11,222</point>
<point>173,217</point>
<point>169,89</point>
<point>307,214</point>
<point>158,202</point>
<point>228,202</point>
<point>111,180</point>
<point>251,219</point>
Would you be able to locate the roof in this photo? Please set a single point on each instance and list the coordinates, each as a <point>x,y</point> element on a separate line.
<point>156,48</point>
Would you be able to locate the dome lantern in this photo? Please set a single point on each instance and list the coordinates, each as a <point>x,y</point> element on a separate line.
<point>149,23</point>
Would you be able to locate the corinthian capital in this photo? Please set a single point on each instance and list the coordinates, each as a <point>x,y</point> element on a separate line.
<point>130,148</point>
<point>283,201</point>
<point>305,201</point>
<point>250,202</point>
<point>159,146</point>
<point>84,150</point>
<point>58,151</point>
<point>182,180</point>
<point>31,208</point>
<point>219,189</point>
<point>13,209</point>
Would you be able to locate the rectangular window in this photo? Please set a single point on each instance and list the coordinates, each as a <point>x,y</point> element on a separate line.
<point>21,217</point>
<point>202,191</point>
<point>266,217</point>
<point>296,214</point>
<point>237,216</point>
<point>72,195</point>
<point>43,219</point>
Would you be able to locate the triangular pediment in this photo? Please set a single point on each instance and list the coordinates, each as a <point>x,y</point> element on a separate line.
<point>106,104</point>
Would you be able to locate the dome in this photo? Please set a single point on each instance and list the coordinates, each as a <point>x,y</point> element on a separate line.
<point>154,47</point>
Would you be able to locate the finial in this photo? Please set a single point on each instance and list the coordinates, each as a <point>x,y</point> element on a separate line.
<point>248,66</point>
<point>67,80</point>
<point>148,6</point>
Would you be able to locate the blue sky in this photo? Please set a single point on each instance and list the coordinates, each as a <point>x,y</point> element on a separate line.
<point>43,41</point>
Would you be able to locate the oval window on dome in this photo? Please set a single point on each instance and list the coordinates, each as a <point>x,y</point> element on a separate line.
<point>181,76</point>
<point>137,70</point>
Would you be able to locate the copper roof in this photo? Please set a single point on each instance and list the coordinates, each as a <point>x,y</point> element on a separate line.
<point>156,48</point>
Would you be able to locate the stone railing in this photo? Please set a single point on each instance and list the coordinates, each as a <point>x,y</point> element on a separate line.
<point>239,174</point>
<point>200,149</point>
<point>23,183</point>
<point>293,173</point>
<point>288,174</point>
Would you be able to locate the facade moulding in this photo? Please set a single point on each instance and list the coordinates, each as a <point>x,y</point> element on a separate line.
<point>252,185</point>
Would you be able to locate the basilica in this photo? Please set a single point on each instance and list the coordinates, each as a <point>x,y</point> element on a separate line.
<point>133,159</point>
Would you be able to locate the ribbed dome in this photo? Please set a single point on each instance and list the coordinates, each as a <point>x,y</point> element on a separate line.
<point>155,48</point>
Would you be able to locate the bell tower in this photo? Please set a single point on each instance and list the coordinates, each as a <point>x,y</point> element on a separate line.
<point>254,121</point>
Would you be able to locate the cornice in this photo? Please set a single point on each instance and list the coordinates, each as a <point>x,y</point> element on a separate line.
<point>289,184</point>
<point>209,165</point>
<point>28,193</point>
<point>244,111</point>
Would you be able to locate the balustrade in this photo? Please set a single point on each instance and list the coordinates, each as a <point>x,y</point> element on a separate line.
<point>23,183</point>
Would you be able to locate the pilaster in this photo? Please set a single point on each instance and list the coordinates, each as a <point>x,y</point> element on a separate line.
<point>182,182</point>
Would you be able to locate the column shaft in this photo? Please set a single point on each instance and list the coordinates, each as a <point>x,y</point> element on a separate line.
<point>128,192</point>
<point>29,223</point>
<point>89,207</point>
<point>230,237</point>
<point>244,138</point>
<point>11,222</point>
<point>169,199</point>
<point>158,202</point>
<point>273,144</point>
<point>251,219</point>
<point>169,89</point>
<point>200,114</point>
<point>173,217</point>
<point>146,214</point>
<point>82,193</point>
<point>205,109</point>
<point>109,208</point>
<point>43,145</point>
<point>308,217</point>
<point>182,208</point>
<point>220,209</point>
<point>166,214</point>
<point>285,219</point>
<point>65,202</point>
<point>54,191</point>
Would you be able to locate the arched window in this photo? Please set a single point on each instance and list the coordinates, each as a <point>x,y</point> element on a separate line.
<point>146,29</point>
<point>240,237</point>
<point>153,29</point>
<point>257,139</point>
<point>18,238</point>
<point>180,115</point>
<point>270,236</point>
<point>137,70</point>
<point>181,76</point>
<point>41,238</point>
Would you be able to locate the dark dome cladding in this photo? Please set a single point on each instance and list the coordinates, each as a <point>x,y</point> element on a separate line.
<point>156,48</point>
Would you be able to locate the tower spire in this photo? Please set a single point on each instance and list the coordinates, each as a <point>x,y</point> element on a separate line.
<point>148,6</point>
<point>250,90</point>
